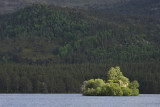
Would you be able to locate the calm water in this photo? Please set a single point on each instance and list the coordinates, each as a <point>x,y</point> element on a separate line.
<point>77,100</point>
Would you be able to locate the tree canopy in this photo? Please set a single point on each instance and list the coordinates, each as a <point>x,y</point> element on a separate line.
<point>42,34</point>
<point>53,49</point>
<point>117,85</point>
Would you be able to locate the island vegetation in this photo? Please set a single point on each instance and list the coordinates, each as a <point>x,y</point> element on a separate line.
<point>117,85</point>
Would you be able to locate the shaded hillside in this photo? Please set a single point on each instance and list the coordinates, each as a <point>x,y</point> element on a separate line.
<point>100,4</point>
<point>139,7</point>
<point>131,7</point>
<point>45,34</point>
<point>8,6</point>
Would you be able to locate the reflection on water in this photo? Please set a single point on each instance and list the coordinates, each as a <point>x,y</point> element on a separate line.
<point>77,100</point>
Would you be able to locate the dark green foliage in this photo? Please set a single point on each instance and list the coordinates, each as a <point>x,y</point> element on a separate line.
<point>128,92</point>
<point>48,49</point>
<point>46,21</point>
<point>68,78</point>
<point>42,34</point>
<point>25,85</point>
<point>135,92</point>
<point>134,85</point>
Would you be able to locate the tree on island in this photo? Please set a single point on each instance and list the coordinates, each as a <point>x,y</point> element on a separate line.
<point>117,85</point>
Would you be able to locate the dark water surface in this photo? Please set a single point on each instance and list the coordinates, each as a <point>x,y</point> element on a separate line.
<point>77,100</point>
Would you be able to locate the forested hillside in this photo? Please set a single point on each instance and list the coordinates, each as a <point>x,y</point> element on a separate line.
<point>42,40</point>
<point>44,34</point>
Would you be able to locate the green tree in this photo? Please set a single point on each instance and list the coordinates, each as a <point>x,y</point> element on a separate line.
<point>134,84</point>
<point>25,85</point>
<point>115,74</point>
<point>126,91</point>
<point>116,86</point>
<point>135,92</point>
<point>115,90</point>
<point>93,83</point>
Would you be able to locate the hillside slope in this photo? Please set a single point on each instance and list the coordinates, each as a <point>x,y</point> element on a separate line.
<point>46,34</point>
<point>139,7</point>
<point>131,7</point>
<point>8,6</point>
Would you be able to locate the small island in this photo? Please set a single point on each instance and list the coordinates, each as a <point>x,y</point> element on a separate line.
<point>117,85</point>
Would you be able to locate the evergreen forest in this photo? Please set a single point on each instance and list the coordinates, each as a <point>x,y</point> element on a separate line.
<point>52,49</point>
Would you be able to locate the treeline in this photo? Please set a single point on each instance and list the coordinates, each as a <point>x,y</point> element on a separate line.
<point>23,78</point>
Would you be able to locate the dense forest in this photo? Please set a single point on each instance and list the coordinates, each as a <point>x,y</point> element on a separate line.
<point>68,78</point>
<point>45,34</point>
<point>52,49</point>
